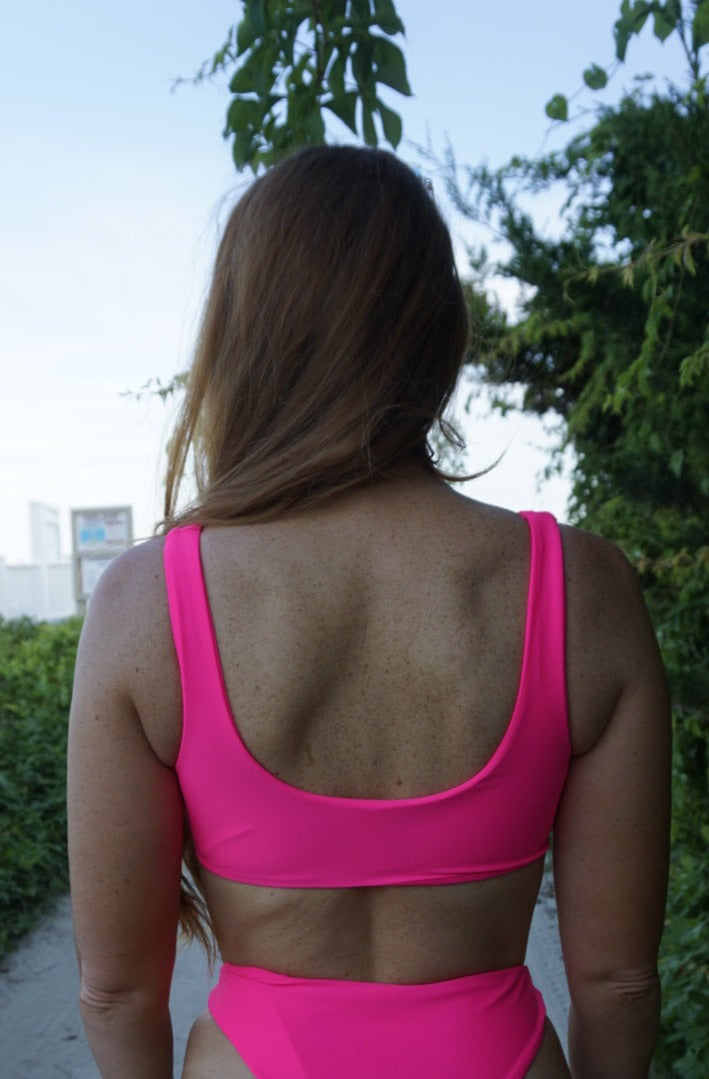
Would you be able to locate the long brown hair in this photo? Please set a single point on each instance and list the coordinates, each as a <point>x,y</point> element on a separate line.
<point>331,341</point>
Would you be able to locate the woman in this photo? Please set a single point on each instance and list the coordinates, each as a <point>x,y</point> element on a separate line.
<point>373,698</point>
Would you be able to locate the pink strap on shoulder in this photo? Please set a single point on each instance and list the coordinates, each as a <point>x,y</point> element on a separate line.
<point>185,590</point>
<point>191,621</point>
<point>546,624</point>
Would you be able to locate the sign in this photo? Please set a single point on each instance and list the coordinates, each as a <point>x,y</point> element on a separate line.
<point>98,529</point>
<point>99,535</point>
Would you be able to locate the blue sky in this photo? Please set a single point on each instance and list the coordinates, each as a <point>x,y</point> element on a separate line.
<point>112,189</point>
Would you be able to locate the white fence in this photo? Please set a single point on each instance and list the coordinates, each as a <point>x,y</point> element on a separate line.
<point>44,592</point>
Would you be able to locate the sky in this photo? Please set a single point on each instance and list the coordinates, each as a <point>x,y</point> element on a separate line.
<point>113,187</point>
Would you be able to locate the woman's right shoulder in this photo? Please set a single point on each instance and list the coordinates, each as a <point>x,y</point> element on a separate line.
<point>602,586</point>
<point>599,576</point>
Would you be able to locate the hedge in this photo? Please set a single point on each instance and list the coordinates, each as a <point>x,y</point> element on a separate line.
<point>36,669</point>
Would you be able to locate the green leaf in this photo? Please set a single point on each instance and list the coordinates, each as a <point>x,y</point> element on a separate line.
<point>344,107</point>
<point>300,10</point>
<point>676,462</point>
<point>700,25</point>
<point>631,21</point>
<point>386,18</point>
<point>390,66</point>
<point>314,126</point>
<point>557,108</point>
<point>688,259</point>
<point>287,45</point>
<point>622,36</point>
<point>266,74</point>
<point>242,149</point>
<point>255,12</point>
<point>674,11</point>
<point>268,102</point>
<point>595,77</point>
<point>246,79</point>
<point>368,129</point>
<point>296,77</point>
<point>336,76</point>
<point>665,21</point>
<point>362,64</point>
<point>243,115</point>
<point>639,14</point>
<point>245,35</point>
<point>360,9</point>
<point>391,123</point>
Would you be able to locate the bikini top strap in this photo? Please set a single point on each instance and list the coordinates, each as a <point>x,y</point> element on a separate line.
<point>546,621</point>
<point>192,627</point>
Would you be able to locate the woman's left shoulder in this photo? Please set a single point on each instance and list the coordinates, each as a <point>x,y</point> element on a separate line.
<point>135,576</point>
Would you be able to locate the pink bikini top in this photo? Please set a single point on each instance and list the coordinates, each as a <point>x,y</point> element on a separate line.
<point>252,827</point>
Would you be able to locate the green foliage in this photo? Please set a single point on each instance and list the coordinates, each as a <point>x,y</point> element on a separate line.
<point>290,61</point>
<point>691,26</point>
<point>558,108</point>
<point>36,670</point>
<point>613,338</point>
<point>700,26</point>
<point>295,58</point>
<point>595,77</point>
<point>684,1045</point>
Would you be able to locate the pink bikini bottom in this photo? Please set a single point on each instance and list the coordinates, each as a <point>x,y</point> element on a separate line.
<point>486,1026</point>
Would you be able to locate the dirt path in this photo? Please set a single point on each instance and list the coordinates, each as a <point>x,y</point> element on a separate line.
<point>41,1034</point>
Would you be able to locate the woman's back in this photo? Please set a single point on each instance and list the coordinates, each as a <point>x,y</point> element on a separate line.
<point>373,650</point>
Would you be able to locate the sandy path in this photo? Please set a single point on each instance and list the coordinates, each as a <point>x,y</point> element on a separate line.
<point>40,1030</point>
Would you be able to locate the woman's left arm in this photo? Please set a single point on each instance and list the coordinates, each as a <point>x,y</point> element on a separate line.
<point>125,828</point>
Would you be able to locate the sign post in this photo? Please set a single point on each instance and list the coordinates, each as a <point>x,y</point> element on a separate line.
<point>98,536</point>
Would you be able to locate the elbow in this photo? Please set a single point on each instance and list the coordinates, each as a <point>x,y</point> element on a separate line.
<point>635,986</point>
<point>613,1024</point>
<point>629,986</point>
<point>99,1000</point>
<point>619,1000</point>
<point>104,1001</point>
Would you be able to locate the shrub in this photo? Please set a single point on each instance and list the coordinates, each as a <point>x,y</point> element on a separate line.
<point>683,1049</point>
<point>36,669</point>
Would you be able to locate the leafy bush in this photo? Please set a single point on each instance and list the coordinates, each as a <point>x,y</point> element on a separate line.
<point>36,669</point>
<point>683,1049</point>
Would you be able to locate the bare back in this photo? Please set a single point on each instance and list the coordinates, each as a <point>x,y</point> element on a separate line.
<point>373,651</point>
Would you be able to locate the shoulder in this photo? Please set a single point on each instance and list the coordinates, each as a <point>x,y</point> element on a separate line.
<point>611,645</point>
<point>129,596</point>
<point>130,574</point>
<point>603,590</point>
<point>127,640</point>
<point>588,554</point>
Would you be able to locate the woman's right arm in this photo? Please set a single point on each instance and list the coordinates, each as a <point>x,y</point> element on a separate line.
<point>611,837</point>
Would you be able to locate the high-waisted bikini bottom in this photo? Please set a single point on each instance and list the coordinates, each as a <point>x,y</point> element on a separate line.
<point>486,1026</point>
